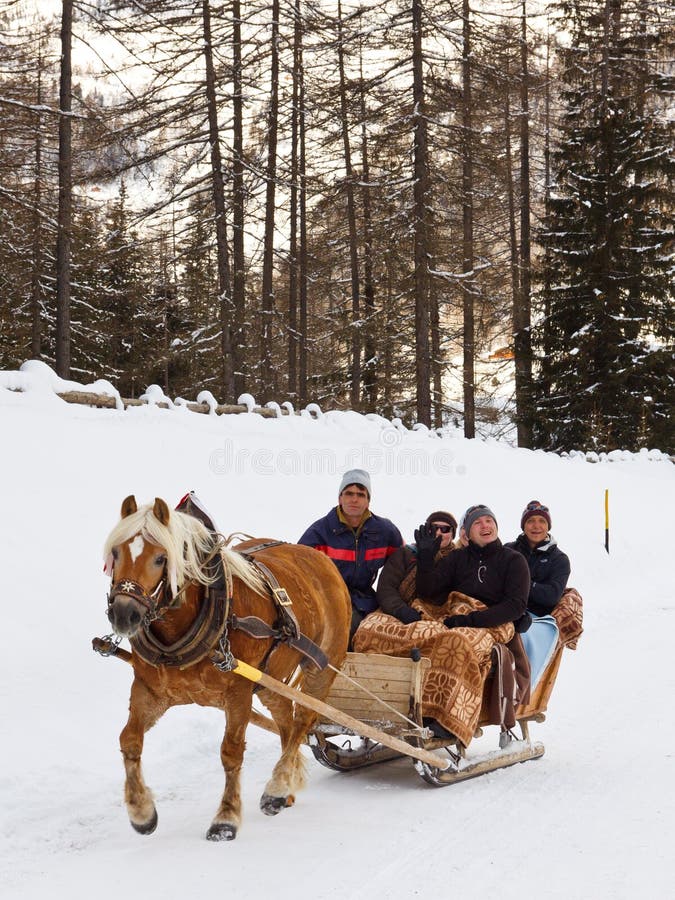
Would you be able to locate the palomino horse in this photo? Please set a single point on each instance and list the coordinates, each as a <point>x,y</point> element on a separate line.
<point>161,565</point>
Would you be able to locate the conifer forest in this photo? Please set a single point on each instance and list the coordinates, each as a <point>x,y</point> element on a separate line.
<point>439,211</point>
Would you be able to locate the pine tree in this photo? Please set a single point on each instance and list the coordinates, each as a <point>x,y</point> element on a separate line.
<point>608,237</point>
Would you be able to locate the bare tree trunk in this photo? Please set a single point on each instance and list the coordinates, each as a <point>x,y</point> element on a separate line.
<point>293,336</point>
<point>65,213</point>
<point>510,188</point>
<point>268,381</point>
<point>421,249</point>
<point>389,319</point>
<point>218,192</point>
<point>521,311</point>
<point>436,361</point>
<point>370,347</point>
<point>547,343</point>
<point>355,341</point>
<point>303,362</point>
<point>468,284</point>
<point>238,200</point>
<point>36,272</point>
<point>165,294</point>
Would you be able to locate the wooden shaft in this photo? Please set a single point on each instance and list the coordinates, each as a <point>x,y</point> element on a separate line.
<point>336,715</point>
<point>263,721</point>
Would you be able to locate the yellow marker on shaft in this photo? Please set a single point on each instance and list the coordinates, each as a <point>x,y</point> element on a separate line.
<point>607,520</point>
<point>247,671</point>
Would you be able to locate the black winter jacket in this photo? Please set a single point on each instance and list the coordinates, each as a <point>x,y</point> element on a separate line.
<point>494,574</point>
<point>549,571</point>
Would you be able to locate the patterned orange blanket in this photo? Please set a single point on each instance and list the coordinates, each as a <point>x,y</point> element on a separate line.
<point>569,618</point>
<point>460,658</point>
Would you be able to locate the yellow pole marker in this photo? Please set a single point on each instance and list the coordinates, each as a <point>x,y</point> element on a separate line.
<point>607,520</point>
<point>248,672</point>
<point>336,715</point>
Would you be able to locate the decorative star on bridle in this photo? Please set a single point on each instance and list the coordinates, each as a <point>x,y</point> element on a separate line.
<point>127,587</point>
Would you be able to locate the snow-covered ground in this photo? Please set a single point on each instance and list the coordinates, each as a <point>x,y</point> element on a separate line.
<point>594,818</point>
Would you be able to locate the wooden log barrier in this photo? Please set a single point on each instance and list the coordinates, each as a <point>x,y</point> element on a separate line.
<point>105,401</point>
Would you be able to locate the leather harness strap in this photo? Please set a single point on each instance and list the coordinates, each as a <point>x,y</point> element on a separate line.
<point>257,628</point>
<point>288,631</point>
<point>209,630</point>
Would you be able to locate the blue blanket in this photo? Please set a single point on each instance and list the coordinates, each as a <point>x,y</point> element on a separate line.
<point>540,641</point>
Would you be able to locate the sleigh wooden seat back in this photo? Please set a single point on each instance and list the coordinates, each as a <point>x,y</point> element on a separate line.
<point>391,680</point>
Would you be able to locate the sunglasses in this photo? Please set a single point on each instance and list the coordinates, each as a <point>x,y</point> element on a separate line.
<point>444,529</point>
<point>535,504</point>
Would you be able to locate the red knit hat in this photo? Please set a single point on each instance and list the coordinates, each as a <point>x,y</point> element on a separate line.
<point>535,508</point>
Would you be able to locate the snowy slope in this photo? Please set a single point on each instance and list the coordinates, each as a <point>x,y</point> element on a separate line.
<point>594,818</point>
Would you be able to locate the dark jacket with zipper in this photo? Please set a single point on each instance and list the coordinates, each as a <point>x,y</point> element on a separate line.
<point>357,552</point>
<point>496,575</point>
<point>549,571</point>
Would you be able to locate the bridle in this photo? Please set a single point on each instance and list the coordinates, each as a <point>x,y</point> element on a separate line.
<point>161,598</point>
<point>154,602</point>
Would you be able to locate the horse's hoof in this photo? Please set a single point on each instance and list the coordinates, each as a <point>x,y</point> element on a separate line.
<point>273,805</point>
<point>146,827</point>
<point>221,831</point>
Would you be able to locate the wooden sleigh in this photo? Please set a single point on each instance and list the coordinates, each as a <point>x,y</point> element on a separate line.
<point>382,696</point>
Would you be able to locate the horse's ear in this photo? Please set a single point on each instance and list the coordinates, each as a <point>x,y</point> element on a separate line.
<point>161,511</point>
<point>129,506</point>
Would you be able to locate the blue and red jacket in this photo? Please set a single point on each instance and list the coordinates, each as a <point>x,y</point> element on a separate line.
<point>357,552</point>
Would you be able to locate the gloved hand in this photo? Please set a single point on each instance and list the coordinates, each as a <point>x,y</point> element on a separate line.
<point>457,622</point>
<point>408,615</point>
<point>523,623</point>
<point>427,541</point>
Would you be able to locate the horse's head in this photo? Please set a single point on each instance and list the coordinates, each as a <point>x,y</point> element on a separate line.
<point>138,561</point>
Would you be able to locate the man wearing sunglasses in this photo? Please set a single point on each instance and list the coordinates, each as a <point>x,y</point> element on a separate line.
<point>396,589</point>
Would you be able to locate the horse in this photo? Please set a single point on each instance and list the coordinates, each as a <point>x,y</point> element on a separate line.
<point>163,568</point>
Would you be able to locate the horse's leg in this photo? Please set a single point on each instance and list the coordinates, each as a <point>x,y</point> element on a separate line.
<point>238,712</point>
<point>144,710</point>
<point>288,775</point>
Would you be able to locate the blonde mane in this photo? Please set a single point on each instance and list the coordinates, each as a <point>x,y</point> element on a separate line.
<point>186,541</point>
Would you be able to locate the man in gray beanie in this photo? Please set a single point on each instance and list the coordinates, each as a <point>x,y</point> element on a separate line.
<point>357,541</point>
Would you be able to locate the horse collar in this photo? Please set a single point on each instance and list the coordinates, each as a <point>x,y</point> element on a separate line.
<point>205,633</point>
